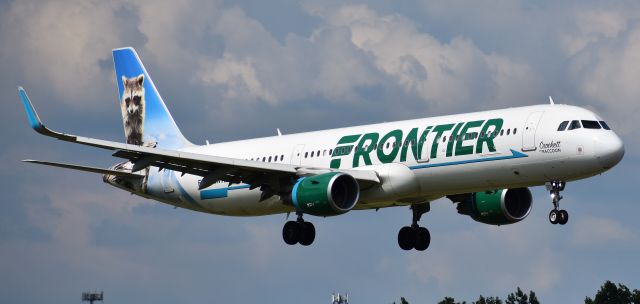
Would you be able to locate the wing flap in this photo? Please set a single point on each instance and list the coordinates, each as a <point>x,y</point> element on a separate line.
<point>86,168</point>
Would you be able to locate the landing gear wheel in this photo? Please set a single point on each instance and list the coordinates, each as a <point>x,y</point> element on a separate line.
<point>554,216</point>
<point>291,233</point>
<point>406,238</point>
<point>423,238</point>
<point>563,217</point>
<point>307,233</point>
<point>557,216</point>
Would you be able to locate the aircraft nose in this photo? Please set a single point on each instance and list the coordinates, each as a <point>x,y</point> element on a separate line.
<point>609,150</point>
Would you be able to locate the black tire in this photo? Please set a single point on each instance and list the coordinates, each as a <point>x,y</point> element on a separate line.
<point>291,233</point>
<point>423,239</point>
<point>406,238</point>
<point>564,217</point>
<point>554,216</point>
<point>307,233</point>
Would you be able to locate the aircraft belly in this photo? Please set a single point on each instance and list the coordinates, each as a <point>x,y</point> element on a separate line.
<point>243,202</point>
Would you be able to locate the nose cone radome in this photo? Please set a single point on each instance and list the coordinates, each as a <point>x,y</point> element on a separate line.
<point>609,150</point>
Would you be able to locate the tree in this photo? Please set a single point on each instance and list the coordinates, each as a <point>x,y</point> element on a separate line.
<point>610,293</point>
<point>448,300</point>
<point>489,300</point>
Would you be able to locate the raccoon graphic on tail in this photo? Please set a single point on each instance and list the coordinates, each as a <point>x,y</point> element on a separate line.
<point>133,109</point>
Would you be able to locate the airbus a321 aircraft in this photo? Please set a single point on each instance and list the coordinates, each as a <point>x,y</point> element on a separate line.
<point>482,161</point>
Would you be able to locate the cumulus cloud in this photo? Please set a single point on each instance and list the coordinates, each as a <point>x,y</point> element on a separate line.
<point>603,50</point>
<point>592,231</point>
<point>356,47</point>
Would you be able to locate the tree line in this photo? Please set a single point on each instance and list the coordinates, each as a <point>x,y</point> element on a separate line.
<point>609,293</point>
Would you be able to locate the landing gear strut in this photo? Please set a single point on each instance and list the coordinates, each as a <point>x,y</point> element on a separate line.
<point>299,231</point>
<point>414,236</point>
<point>557,216</point>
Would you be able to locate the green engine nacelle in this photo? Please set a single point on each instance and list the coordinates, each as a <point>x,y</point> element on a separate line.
<point>496,207</point>
<point>326,194</point>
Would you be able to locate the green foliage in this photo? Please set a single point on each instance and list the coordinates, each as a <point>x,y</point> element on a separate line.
<point>609,293</point>
<point>448,300</point>
<point>521,298</point>
<point>489,300</point>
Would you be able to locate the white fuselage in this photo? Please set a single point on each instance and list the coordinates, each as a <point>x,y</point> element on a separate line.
<point>528,151</point>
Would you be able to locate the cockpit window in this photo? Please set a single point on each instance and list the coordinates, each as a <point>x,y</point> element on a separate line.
<point>575,124</point>
<point>590,124</point>
<point>605,125</point>
<point>563,125</point>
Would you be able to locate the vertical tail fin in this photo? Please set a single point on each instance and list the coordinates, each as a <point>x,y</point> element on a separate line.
<point>145,116</point>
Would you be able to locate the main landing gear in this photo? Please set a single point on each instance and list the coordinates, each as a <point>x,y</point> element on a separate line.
<point>414,236</point>
<point>557,216</point>
<point>299,231</point>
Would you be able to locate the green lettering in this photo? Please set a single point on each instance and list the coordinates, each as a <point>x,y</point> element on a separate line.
<point>496,123</point>
<point>465,135</point>
<point>363,149</point>
<point>454,134</point>
<point>388,158</point>
<point>410,140</point>
<point>439,130</point>
<point>423,139</point>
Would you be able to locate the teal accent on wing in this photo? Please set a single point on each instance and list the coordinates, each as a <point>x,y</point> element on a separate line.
<point>220,192</point>
<point>514,155</point>
<point>32,116</point>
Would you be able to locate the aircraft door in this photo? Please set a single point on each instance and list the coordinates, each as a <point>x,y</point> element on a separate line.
<point>296,155</point>
<point>529,132</point>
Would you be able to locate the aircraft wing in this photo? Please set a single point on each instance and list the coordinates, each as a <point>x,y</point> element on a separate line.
<point>211,168</point>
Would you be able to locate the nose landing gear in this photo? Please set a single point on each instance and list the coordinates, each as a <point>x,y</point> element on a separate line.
<point>299,231</point>
<point>414,236</point>
<point>557,216</point>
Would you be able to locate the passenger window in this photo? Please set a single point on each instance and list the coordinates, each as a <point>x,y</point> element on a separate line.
<point>306,154</point>
<point>574,125</point>
<point>563,125</point>
<point>590,124</point>
<point>605,125</point>
<point>330,151</point>
<point>281,157</point>
<point>508,131</point>
<point>515,130</point>
<point>263,159</point>
<point>269,158</point>
<point>501,132</point>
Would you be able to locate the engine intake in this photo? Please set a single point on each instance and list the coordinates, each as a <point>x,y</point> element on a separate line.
<point>496,207</point>
<point>326,194</point>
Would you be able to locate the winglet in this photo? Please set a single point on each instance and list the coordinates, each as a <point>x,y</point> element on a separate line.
<point>32,116</point>
<point>35,121</point>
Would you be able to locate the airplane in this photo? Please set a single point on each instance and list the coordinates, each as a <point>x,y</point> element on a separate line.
<point>484,162</point>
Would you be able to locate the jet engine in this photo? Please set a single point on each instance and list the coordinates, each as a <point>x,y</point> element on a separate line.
<point>495,207</point>
<point>327,194</point>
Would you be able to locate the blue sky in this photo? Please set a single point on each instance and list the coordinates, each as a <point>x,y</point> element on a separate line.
<point>233,70</point>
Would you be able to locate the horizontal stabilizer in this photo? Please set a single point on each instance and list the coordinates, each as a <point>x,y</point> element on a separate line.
<point>86,169</point>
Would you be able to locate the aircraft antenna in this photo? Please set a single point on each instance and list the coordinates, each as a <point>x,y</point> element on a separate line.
<point>551,100</point>
<point>279,133</point>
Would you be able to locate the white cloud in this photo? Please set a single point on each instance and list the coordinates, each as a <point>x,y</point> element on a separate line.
<point>591,231</point>
<point>57,46</point>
